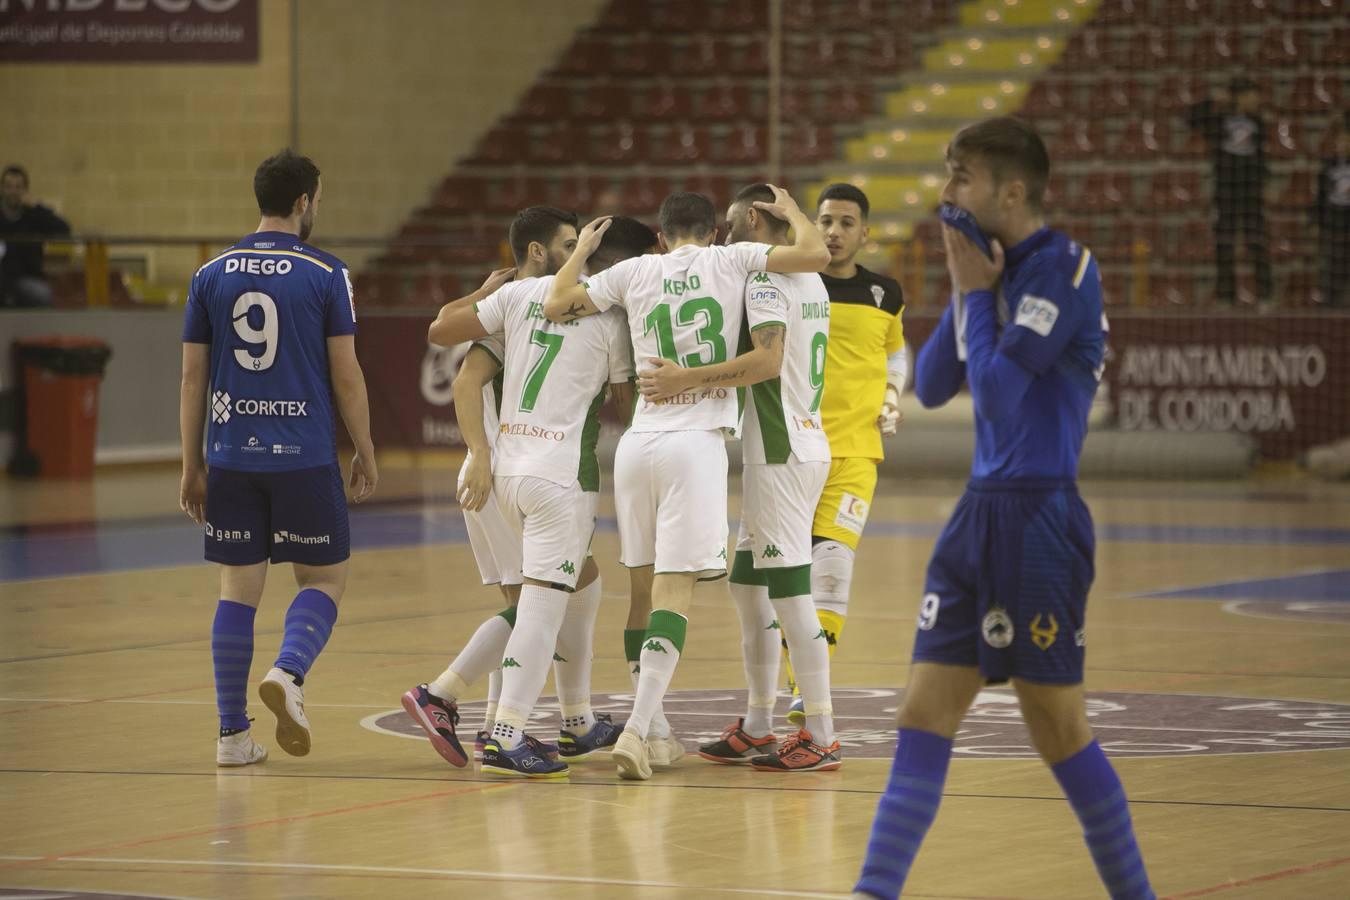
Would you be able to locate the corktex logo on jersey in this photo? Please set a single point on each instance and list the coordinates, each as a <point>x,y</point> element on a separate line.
<point>224,407</point>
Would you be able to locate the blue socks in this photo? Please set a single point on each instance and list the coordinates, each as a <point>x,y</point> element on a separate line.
<point>905,812</point>
<point>1098,800</point>
<point>232,654</point>
<point>309,622</point>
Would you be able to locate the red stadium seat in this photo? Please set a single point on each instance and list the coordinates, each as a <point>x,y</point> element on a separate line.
<point>1122,12</point>
<point>847,102</point>
<point>1336,49</point>
<point>723,101</point>
<point>888,53</point>
<point>503,144</point>
<point>1144,139</point>
<point>619,144</point>
<point>1285,47</point>
<point>1310,9</point>
<point>1286,139</point>
<point>599,102</point>
<point>1315,92</point>
<point>1215,49</point>
<point>515,192</point>
<point>1083,139</point>
<point>588,55</point>
<point>1084,50</point>
<point>1047,98</point>
<point>544,101</point>
<point>673,16</point>
<point>665,100</point>
<point>1103,192</point>
<point>1116,96</point>
<point>680,144</point>
<point>808,143</point>
<point>641,55</point>
<point>738,16</point>
<point>641,195</point>
<point>699,56</point>
<point>560,143</point>
<point>1173,191</point>
<point>1192,12</point>
<point>579,192</point>
<point>459,193</point>
<point>796,102</point>
<point>715,187</point>
<point>621,16</point>
<point>745,144</point>
<point>1174,290</point>
<point>1195,242</point>
<point>1299,191</point>
<point>747,56</point>
<point>805,15</point>
<point>1250,12</point>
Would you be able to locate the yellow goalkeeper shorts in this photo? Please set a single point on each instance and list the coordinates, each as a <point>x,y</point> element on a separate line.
<point>846,500</point>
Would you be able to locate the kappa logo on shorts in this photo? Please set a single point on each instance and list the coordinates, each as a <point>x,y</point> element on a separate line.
<point>557,658</point>
<point>771,552</point>
<point>567,567</point>
<point>852,513</point>
<point>773,626</point>
<point>510,663</point>
<point>1043,635</point>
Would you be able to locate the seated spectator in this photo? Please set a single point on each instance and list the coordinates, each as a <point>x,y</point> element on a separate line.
<point>1331,216</point>
<point>21,280</point>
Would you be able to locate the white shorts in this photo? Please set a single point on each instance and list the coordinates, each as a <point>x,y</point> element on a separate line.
<point>495,545</point>
<point>778,503</point>
<point>670,497</point>
<point>554,522</point>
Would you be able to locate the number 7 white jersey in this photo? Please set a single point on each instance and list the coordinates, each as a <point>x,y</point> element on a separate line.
<point>782,415</point>
<point>553,385</point>
<point>684,306</point>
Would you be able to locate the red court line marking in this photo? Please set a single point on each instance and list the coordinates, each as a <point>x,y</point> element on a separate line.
<point>63,704</point>
<point>243,826</point>
<point>1261,879</point>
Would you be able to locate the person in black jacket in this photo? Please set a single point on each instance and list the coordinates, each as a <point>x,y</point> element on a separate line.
<point>1231,124</point>
<point>1331,217</point>
<point>21,280</point>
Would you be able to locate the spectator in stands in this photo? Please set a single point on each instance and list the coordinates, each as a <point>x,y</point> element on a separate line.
<point>1331,218</point>
<point>21,280</point>
<point>1230,123</point>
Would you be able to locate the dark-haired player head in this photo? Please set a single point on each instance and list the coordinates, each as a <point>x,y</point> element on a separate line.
<point>745,222</point>
<point>287,186</point>
<point>541,239</point>
<point>625,238</point>
<point>687,218</point>
<point>998,169</point>
<point>841,217</point>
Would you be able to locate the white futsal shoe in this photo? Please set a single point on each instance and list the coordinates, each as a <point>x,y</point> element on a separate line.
<point>239,749</point>
<point>632,757</point>
<point>664,752</point>
<point>286,700</point>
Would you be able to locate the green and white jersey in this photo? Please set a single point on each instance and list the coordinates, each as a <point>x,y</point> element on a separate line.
<point>782,415</point>
<point>685,306</point>
<point>554,384</point>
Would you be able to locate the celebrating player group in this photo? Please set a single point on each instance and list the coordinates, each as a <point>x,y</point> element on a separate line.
<point>776,338</point>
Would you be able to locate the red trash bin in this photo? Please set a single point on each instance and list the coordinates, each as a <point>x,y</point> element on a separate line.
<point>61,376</point>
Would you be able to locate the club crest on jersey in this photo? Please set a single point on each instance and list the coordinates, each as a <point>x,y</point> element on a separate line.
<point>997,629</point>
<point>878,295</point>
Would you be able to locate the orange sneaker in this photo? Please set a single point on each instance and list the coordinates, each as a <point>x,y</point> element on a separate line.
<point>736,746</point>
<point>800,753</point>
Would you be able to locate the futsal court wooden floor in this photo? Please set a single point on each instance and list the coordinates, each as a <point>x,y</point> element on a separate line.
<point>1218,670</point>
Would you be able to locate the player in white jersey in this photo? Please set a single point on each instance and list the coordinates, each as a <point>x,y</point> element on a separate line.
<point>541,239</point>
<point>546,479</point>
<point>671,465</point>
<point>786,459</point>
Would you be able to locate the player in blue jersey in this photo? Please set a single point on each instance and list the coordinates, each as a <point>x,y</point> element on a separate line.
<point>1007,586</point>
<point>270,331</point>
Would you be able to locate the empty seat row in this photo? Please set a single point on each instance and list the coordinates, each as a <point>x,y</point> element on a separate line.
<point>626,143</point>
<point>722,101</point>
<point>742,54</point>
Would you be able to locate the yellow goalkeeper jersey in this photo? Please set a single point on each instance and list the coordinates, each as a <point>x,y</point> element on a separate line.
<point>864,329</point>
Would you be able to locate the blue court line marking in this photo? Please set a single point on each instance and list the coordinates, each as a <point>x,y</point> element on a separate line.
<point>1332,585</point>
<point>28,552</point>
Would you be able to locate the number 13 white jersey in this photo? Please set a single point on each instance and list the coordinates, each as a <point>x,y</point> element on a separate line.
<point>553,385</point>
<point>684,306</point>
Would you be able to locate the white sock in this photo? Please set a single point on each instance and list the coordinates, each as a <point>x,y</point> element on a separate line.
<point>660,725</point>
<point>810,654</point>
<point>831,576</point>
<point>525,664</point>
<point>759,647</point>
<point>480,655</point>
<point>494,694</point>
<point>572,671</point>
<point>659,658</point>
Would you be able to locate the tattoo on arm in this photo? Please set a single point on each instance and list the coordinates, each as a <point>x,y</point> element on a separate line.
<point>767,337</point>
<point>725,376</point>
<point>574,311</point>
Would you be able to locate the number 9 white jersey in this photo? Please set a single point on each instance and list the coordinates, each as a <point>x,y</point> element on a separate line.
<point>684,306</point>
<point>553,385</point>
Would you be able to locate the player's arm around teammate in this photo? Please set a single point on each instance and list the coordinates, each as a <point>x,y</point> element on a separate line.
<point>457,317</point>
<point>477,371</point>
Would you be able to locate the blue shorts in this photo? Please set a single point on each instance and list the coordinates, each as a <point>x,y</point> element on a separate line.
<point>299,516</point>
<point>1007,586</point>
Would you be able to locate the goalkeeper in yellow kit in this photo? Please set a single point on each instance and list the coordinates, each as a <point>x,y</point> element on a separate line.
<point>865,369</point>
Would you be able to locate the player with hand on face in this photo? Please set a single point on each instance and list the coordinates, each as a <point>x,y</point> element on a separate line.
<point>1006,590</point>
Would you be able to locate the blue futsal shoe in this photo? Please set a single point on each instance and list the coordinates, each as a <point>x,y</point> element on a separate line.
<point>525,761</point>
<point>602,736</point>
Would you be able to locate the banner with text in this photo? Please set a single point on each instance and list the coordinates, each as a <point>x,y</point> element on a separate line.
<point>141,31</point>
